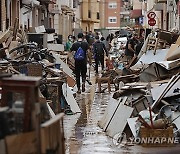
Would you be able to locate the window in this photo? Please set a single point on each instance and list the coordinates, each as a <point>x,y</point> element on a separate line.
<point>98,16</point>
<point>89,13</point>
<point>75,2</point>
<point>112,20</point>
<point>112,5</point>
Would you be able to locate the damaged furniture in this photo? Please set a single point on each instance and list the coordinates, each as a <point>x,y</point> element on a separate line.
<point>21,113</point>
<point>104,80</point>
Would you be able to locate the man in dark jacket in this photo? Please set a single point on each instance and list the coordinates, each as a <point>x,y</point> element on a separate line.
<point>131,47</point>
<point>80,65</point>
<point>99,49</point>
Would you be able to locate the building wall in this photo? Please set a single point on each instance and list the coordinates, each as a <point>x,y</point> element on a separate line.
<point>89,10</point>
<point>112,12</point>
<point>3,15</point>
<point>136,5</point>
<point>85,8</point>
<point>25,17</point>
<point>102,13</point>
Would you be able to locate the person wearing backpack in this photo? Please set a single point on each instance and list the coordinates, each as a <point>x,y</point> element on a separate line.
<point>80,47</point>
<point>98,50</point>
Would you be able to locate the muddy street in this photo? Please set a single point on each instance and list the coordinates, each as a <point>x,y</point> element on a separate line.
<point>81,130</point>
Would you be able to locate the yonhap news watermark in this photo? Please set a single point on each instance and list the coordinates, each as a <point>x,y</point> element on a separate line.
<point>121,139</point>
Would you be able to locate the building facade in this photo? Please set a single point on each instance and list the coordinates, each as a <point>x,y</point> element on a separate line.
<point>90,15</point>
<point>112,14</point>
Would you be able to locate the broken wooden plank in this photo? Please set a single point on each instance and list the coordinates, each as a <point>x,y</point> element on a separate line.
<point>68,94</point>
<point>5,35</point>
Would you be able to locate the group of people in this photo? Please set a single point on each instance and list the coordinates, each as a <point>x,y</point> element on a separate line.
<point>98,46</point>
<point>81,47</point>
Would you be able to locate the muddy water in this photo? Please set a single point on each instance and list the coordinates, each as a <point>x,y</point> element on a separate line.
<point>81,130</point>
<point>83,136</point>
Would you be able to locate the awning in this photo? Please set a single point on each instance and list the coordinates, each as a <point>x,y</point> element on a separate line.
<point>136,13</point>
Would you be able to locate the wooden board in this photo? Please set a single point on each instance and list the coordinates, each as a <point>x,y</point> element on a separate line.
<point>178,41</point>
<point>64,66</point>
<point>52,135</point>
<point>156,90</point>
<point>171,50</point>
<point>12,45</point>
<point>21,143</point>
<point>5,35</point>
<point>55,47</point>
<point>68,94</point>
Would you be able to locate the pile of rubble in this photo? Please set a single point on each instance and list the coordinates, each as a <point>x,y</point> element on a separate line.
<point>35,91</point>
<point>145,104</point>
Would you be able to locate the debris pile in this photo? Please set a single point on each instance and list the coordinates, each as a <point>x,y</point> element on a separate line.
<point>35,89</point>
<point>145,104</point>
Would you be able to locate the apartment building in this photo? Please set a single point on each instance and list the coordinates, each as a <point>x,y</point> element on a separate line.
<point>66,17</point>
<point>89,14</point>
<point>111,14</point>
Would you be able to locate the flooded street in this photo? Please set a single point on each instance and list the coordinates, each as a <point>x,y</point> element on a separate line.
<point>84,136</point>
<point>82,133</point>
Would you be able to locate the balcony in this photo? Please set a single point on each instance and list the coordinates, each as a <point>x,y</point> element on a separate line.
<point>160,1</point>
<point>65,9</point>
<point>124,11</point>
<point>48,1</point>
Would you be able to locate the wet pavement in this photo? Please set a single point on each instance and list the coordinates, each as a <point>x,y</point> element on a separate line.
<point>84,136</point>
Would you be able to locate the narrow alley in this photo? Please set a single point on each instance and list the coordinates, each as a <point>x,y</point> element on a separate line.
<point>89,76</point>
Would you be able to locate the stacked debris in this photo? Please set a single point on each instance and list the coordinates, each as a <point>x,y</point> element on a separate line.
<point>35,88</point>
<point>145,106</point>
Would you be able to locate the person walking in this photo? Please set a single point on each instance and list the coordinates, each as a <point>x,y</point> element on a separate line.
<point>99,49</point>
<point>80,48</point>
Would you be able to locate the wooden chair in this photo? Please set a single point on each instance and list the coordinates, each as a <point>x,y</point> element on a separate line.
<point>104,80</point>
